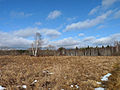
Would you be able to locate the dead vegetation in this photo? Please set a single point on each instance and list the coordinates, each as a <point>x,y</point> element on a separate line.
<point>114,80</point>
<point>55,72</point>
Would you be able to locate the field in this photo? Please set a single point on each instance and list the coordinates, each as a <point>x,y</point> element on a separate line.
<point>56,72</point>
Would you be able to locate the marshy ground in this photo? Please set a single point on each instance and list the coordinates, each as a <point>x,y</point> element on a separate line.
<point>58,72</point>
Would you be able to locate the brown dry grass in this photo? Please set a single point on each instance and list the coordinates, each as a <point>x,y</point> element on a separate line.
<point>83,71</point>
<point>114,80</point>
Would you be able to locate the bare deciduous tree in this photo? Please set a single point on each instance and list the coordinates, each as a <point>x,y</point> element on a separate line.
<point>117,44</point>
<point>37,44</point>
<point>51,47</point>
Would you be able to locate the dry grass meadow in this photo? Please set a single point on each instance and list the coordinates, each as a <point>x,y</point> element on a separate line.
<point>55,72</point>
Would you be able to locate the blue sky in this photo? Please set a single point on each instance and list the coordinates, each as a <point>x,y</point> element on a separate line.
<point>67,23</point>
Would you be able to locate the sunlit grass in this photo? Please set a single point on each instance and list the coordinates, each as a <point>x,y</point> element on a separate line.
<point>55,72</point>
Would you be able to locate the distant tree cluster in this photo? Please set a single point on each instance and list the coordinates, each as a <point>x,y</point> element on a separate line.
<point>37,45</point>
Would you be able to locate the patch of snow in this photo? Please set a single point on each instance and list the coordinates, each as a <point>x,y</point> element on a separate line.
<point>47,72</point>
<point>71,86</point>
<point>51,73</point>
<point>24,86</point>
<point>98,82</point>
<point>100,88</point>
<point>76,86</point>
<point>34,81</point>
<point>2,88</point>
<point>105,78</point>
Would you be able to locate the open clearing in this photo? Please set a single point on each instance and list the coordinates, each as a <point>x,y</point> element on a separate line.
<point>54,72</point>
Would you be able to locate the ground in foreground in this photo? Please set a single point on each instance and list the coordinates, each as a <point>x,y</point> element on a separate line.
<point>54,73</point>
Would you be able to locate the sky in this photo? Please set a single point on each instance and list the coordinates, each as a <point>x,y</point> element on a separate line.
<point>62,23</point>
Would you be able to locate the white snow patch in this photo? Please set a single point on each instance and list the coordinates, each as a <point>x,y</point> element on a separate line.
<point>100,88</point>
<point>2,88</point>
<point>98,82</point>
<point>71,86</point>
<point>51,73</point>
<point>34,81</point>
<point>24,86</point>
<point>47,72</point>
<point>76,86</point>
<point>105,78</point>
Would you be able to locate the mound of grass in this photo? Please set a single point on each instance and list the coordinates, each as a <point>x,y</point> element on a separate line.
<point>114,80</point>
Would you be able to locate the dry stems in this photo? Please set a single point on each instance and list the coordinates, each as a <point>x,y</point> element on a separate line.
<point>55,72</point>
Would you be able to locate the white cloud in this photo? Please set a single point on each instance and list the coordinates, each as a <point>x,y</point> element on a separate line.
<point>81,34</point>
<point>107,40</point>
<point>70,42</point>
<point>54,14</point>
<point>88,23</point>
<point>11,40</point>
<point>29,32</point>
<point>89,39</point>
<point>117,14</point>
<point>51,33</point>
<point>94,10</point>
<point>101,26</point>
<point>19,14</point>
<point>19,38</point>
<point>107,3</point>
<point>66,42</point>
<point>7,39</point>
<point>71,19</point>
<point>38,23</point>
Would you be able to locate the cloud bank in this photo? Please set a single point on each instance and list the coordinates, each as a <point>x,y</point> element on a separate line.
<point>88,23</point>
<point>54,14</point>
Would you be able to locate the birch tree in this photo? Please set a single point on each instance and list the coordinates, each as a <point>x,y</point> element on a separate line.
<point>33,52</point>
<point>117,45</point>
<point>37,44</point>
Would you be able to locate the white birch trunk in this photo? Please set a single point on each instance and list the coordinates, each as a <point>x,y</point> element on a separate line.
<point>36,49</point>
<point>33,52</point>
